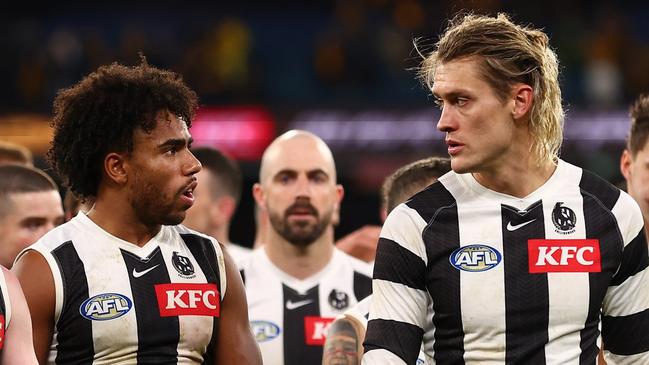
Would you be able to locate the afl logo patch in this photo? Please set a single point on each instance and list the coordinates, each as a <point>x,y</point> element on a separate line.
<point>103,307</point>
<point>564,219</point>
<point>264,330</point>
<point>475,258</point>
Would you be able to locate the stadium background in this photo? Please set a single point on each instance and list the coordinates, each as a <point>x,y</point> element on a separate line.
<point>342,69</point>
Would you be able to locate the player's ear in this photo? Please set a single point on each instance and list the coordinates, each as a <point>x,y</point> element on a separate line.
<point>523,97</point>
<point>116,167</point>
<point>625,164</point>
<point>258,194</point>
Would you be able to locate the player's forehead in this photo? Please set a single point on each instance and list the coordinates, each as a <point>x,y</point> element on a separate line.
<point>300,153</point>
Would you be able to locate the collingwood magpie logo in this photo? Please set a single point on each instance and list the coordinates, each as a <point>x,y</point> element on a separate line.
<point>563,218</point>
<point>183,265</point>
<point>338,299</point>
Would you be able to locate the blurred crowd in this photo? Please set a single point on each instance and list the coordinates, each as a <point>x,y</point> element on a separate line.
<point>340,53</point>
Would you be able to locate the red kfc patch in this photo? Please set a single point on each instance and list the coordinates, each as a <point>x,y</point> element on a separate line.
<point>564,255</point>
<point>315,329</point>
<point>188,300</point>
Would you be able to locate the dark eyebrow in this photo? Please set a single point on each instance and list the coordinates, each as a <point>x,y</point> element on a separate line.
<point>286,172</point>
<point>176,142</point>
<point>317,172</point>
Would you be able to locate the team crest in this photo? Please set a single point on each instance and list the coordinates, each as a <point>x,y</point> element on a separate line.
<point>183,265</point>
<point>338,299</point>
<point>564,219</point>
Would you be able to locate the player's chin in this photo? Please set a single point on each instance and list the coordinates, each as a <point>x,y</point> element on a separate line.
<point>174,218</point>
<point>459,165</point>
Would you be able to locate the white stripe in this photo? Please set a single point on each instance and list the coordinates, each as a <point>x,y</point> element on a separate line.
<point>628,216</point>
<point>381,357</point>
<point>265,304</point>
<point>187,325</point>
<point>482,294</point>
<point>637,359</point>
<point>636,287</point>
<point>405,304</point>
<point>404,226</point>
<point>113,277</point>
<point>568,293</point>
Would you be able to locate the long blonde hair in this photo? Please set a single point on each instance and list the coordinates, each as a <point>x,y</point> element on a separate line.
<point>509,54</point>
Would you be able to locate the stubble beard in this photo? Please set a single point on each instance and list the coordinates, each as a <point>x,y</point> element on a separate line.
<point>149,206</point>
<point>300,234</point>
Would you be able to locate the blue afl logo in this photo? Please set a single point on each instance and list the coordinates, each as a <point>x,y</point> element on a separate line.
<point>475,258</point>
<point>103,307</point>
<point>264,330</point>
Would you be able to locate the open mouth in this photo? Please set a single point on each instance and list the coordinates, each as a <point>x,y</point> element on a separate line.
<point>188,193</point>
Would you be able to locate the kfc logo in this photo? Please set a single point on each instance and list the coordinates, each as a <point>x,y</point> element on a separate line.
<point>315,329</point>
<point>578,255</point>
<point>188,300</point>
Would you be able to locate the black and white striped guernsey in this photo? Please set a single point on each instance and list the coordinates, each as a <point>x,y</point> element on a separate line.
<point>117,303</point>
<point>289,317</point>
<point>486,278</point>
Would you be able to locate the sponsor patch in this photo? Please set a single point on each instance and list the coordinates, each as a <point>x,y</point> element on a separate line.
<point>315,329</point>
<point>556,255</point>
<point>103,307</point>
<point>475,258</point>
<point>264,330</point>
<point>188,300</point>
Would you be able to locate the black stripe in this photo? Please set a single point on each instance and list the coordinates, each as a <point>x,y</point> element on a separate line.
<point>442,237</point>
<point>157,336</point>
<point>203,251</point>
<point>362,285</point>
<point>402,339</point>
<point>399,265</point>
<point>634,259</point>
<point>74,333</point>
<point>526,295</point>
<point>594,185</point>
<point>602,225</point>
<point>626,335</point>
<point>430,200</point>
<point>296,351</point>
<point>243,276</point>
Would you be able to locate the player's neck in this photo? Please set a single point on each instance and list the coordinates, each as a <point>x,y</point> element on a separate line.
<point>124,225</point>
<point>299,262</point>
<point>518,176</point>
<point>220,233</point>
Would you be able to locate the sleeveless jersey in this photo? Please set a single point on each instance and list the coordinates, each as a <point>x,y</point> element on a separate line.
<point>289,317</point>
<point>117,303</point>
<point>506,280</point>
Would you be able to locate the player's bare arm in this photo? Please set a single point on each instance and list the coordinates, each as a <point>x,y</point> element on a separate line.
<point>344,343</point>
<point>18,345</point>
<point>236,344</point>
<point>37,283</point>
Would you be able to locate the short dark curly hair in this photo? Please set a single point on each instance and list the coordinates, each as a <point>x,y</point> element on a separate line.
<point>99,114</point>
